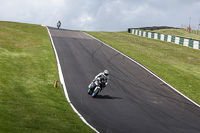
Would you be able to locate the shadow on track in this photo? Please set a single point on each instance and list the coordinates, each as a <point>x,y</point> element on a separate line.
<point>106,97</point>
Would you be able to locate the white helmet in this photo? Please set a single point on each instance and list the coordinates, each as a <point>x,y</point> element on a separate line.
<point>106,72</point>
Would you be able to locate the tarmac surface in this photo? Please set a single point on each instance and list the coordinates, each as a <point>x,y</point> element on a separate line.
<point>134,101</point>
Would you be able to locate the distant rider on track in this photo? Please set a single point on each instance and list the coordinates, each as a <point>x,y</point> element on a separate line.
<point>58,24</point>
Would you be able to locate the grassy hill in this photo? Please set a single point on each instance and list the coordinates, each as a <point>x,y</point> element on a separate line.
<point>30,103</point>
<point>28,100</point>
<point>177,65</point>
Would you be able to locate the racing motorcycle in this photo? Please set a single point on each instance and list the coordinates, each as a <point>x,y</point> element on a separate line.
<point>58,24</point>
<point>96,86</point>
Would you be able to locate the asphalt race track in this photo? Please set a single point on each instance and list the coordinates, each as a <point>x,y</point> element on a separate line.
<point>134,101</point>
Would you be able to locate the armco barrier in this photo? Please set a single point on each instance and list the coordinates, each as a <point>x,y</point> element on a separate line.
<point>168,38</point>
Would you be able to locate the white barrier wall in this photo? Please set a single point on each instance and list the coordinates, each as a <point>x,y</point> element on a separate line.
<point>140,32</point>
<point>144,33</point>
<point>186,42</point>
<point>162,37</point>
<point>155,35</point>
<point>169,38</point>
<point>149,34</point>
<point>196,44</point>
<point>177,40</point>
<point>136,32</point>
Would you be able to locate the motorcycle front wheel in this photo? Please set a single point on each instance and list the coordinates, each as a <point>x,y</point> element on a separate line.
<point>96,91</point>
<point>89,91</point>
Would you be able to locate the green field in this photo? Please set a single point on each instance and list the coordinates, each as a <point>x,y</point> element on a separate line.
<point>178,32</point>
<point>28,100</point>
<point>176,64</point>
<point>30,103</point>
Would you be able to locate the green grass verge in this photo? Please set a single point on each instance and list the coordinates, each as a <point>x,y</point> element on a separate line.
<point>177,65</point>
<point>28,100</point>
<point>178,32</point>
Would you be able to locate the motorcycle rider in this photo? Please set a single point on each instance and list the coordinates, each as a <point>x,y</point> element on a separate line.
<point>103,76</point>
<point>58,24</point>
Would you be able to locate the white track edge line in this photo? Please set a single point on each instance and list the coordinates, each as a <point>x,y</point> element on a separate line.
<point>64,86</point>
<point>146,70</point>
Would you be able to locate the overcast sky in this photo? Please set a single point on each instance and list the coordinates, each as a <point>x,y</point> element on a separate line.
<point>101,15</point>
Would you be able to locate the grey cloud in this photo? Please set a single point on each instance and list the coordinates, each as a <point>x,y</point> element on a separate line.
<point>109,15</point>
